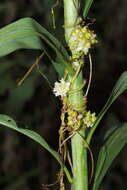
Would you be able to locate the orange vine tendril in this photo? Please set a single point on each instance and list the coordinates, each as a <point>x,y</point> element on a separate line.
<point>30,69</point>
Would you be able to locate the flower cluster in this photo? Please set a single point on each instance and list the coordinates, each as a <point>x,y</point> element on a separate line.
<point>89,119</point>
<point>61,88</point>
<point>74,119</point>
<point>81,41</point>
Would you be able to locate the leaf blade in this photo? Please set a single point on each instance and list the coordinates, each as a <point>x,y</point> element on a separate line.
<point>10,123</point>
<point>113,145</point>
<point>119,88</point>
<point>88,4</point>
<point>7,121</point>
<point>26,33</point>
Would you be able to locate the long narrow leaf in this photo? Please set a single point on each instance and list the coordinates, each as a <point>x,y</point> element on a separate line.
<point>10,123</point>
<point>87,6</point>
<point>118,89</point>
<point>113,145</point>
<point>26,33</point>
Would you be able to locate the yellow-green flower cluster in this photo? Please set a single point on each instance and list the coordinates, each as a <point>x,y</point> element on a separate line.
<point>74,119</point>
<point>80,41</point>
<point>89,119</point>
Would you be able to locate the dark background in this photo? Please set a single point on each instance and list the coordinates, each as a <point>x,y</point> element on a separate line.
<point>23,164</point>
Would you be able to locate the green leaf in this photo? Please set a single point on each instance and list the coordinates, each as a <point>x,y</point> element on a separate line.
<point>112,146</point>
<point>59,68</point>
<point>10,123</point>
<point>26,33</point>
<point>119,88</point>
<point>87,6</point>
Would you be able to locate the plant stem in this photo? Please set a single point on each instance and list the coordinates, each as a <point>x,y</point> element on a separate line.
<point>79,152</point>
<point>71,8</point>
<point>79,155</point>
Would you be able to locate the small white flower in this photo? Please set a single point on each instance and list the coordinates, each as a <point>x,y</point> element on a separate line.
<point>75,64</point>
<point>61,88</point>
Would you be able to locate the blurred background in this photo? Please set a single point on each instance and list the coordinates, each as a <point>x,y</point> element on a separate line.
<point>23,164</point>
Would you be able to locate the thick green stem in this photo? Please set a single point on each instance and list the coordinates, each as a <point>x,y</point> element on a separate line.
<point>79,152</point>
<point>71,9</point>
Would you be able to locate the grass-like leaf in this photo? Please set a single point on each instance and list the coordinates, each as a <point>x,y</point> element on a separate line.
<point>26,33</point>
<point>112,146</point>
<point>10,123</point>
<point>119,88</point>
<point>87,6</point>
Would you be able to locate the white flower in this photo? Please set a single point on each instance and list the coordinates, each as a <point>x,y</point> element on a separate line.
<point>61,88</point>
<point>75,64</point>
